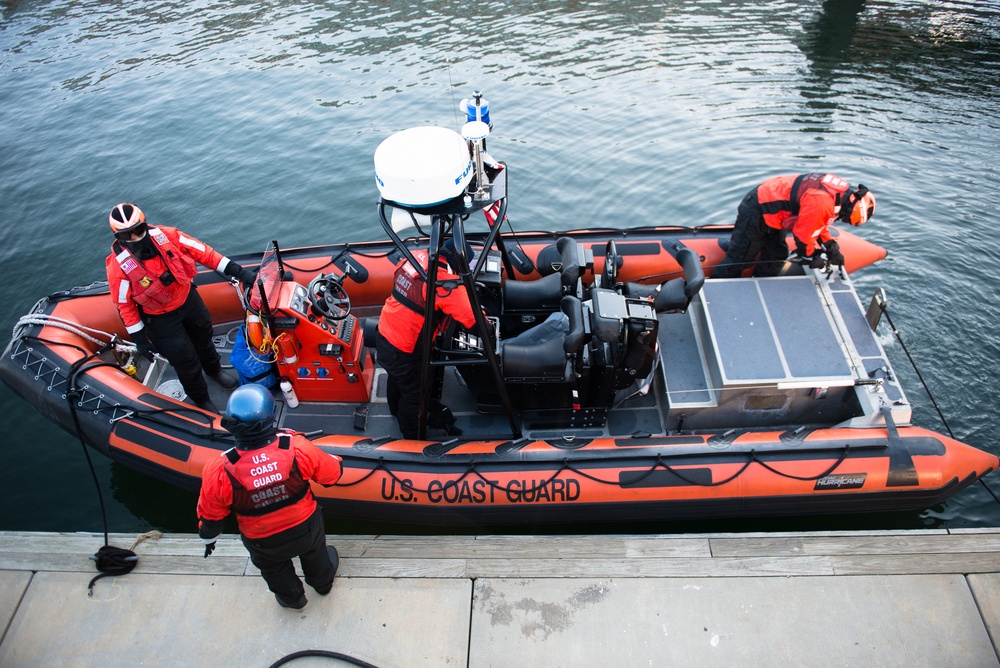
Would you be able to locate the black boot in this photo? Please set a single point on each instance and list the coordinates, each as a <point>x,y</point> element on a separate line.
<point>225,379</point>
<point>323,590</point>
<point>441,417</point>
<point>207,405</point>
<point>297,604</point>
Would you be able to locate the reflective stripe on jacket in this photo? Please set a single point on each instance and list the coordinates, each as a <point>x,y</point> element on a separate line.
<point>137,283</point>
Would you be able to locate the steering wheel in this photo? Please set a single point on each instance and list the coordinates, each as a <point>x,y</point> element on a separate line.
<point>328,297</point>
<point>611,263</point>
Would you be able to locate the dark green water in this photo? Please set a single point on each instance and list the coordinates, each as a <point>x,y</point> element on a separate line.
<point>246,121</point>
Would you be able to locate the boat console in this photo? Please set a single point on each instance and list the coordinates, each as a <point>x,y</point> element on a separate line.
<point>318,345</point>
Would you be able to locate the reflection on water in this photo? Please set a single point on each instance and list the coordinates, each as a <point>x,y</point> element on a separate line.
<point>246,121</point>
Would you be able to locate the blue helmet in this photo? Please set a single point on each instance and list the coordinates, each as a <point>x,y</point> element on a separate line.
<point>250,403</point>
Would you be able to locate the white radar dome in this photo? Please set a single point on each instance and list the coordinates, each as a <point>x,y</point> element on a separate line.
<point>422,166</point>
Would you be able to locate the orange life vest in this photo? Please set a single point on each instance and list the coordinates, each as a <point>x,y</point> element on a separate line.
<point>780,197</point>
<point>266,479</point>
<point>151,290</point>
<point>402,319</point>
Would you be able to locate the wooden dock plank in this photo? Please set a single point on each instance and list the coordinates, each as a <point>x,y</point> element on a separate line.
<point>404,568</point>
<point>803,545</point>
<point>893,564</point>
<point>525,547</point>
<point>151,564</point>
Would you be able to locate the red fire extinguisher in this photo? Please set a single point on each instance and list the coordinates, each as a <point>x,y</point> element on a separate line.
<point>288,348</point>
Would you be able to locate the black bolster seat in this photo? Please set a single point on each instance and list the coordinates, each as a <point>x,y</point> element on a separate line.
<point>546,292</point>
<point>542,294</point>
<point>676,294</point>
<point>550,359</point>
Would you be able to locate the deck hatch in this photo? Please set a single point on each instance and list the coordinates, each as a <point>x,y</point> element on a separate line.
<point>773,331</point>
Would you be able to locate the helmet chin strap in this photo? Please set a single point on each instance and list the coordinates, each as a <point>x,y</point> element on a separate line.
<point>250,435</point>
<point>845,202</point>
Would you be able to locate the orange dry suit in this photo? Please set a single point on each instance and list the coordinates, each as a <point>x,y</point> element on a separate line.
<point>402,317</point>
<point>138,283</point>
<point>805,204</point>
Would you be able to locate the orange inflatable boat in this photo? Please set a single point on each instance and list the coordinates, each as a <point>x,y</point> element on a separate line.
<point>605,379</point>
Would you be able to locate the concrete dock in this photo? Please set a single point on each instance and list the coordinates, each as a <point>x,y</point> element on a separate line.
<point>899,598</point>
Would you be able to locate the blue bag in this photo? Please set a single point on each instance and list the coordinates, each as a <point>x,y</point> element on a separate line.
<point>250,365</point>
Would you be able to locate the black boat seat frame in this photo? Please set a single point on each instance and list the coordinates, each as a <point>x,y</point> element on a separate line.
<point>553,360</point>
<point>675,295</point>
<point>527,302</point>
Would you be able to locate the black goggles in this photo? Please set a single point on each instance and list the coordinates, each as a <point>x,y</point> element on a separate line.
<point>133,233</point>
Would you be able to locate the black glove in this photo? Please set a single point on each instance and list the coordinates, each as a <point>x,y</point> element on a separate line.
<point>209,548</point>
<point>242,274</point>
<point>142,345</point>
<point>833,254</point>
<point>813,261</point>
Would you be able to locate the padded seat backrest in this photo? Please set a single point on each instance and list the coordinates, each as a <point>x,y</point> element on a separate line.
<point>538,295</point>
<point>572,270</point>
<point>573,308</point>
<point>545,293</point>
<point>547,359</point>
<point>676,294</point>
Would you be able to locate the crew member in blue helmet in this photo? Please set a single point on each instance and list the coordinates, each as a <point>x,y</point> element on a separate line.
<point>264,481</point>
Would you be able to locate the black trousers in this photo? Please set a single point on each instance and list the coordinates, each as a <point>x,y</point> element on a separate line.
<point>184,337</point>
<point>752,241</point>
<point>273,556</point>
<point>402,385</point>
<point>402,390</point>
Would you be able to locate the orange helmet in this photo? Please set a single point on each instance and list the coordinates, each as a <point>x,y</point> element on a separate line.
<point>862,207</point>
<point>125,218</point>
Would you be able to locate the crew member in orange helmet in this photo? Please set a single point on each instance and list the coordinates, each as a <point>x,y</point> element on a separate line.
<point>264,480</point>
<point>150,270</point>
<point>803,204</point>
<point>399,330</point>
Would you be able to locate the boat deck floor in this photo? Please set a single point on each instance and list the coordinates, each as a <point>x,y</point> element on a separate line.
<point>741,338</point>
<point>638,414</point>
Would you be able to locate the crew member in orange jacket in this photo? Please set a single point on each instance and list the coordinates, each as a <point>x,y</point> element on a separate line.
<point>150,269</point>
<point>399,330</point>
<point>264,480</point>
<point>803,204</point>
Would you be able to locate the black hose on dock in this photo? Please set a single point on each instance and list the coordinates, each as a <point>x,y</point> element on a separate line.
<point>321,652</point>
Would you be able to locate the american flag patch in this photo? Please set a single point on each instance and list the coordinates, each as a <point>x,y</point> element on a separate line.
<point>129,265</point>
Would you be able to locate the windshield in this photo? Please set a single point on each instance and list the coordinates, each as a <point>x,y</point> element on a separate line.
<point>270,275</point>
